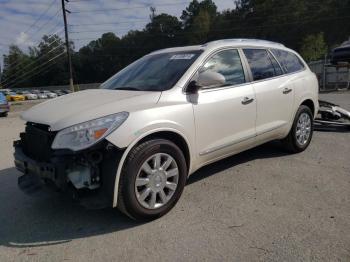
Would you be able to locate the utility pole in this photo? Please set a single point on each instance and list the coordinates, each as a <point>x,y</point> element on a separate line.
<point>64,11</point>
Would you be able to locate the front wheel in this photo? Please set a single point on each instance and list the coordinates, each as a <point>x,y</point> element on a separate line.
<point>301,132</point>
<point>152,179</point>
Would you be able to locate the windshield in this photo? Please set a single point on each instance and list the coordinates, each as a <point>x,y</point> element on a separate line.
<point>158,72</point>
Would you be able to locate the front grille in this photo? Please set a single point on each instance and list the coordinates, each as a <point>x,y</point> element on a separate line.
<point>36,141</point>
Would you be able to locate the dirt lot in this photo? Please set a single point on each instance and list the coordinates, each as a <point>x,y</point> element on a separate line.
<point>261,205</point>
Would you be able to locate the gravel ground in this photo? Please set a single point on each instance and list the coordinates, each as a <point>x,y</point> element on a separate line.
<point>261,205</point>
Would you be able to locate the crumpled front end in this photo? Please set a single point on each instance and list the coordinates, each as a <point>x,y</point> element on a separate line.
<point>87,176</point>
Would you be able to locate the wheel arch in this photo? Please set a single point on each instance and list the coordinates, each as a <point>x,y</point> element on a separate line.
<point>170,134</point>
<point>310,104</point>
<point>174,137</point>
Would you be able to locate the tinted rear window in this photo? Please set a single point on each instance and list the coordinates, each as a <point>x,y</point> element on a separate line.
<point>289,61</point>
<point>261,64</point>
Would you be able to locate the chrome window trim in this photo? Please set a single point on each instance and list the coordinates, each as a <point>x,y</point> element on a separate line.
<point>246,67</point>
<point>205,90</point>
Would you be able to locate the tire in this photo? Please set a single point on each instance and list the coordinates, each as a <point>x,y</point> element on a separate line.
<point>291,143</point>
<point>130,195</point>
<point>3,114</point>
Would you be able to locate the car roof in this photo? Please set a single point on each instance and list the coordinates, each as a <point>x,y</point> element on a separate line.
<point>238,42</point>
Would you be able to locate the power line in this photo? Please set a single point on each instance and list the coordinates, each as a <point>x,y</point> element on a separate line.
<point>111,23</point>
<point>8,81</point>
<point>97,31</point>
<point>126,8</point>
<point>32,63</point>
<point>308,20</point>
<point>33,70</point>
<point>43,70</point>
<point>11,65</point>
<point>24,73</point>
<point>39,18</point>
<point>224,20</point>
<point>141,20</point>
<point>31,37</point>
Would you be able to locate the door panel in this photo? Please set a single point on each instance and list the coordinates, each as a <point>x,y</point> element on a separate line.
<point>274,104</point>
<point>224,120</point>
<point>224,116</point>
<point>274,92</point>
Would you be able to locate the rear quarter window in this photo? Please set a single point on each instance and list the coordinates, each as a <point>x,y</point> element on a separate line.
<point>261,64</point>
<point>289,61</point>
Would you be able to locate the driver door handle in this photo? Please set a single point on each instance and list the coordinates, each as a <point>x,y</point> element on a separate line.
<point>246,100</point>
<point>287,90</point>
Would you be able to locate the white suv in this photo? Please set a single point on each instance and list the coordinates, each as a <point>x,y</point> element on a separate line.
<point>132,143</point>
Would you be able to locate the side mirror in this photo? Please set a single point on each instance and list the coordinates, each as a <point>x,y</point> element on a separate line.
<point>208,79</point>
<point>192,87</point>
<point>204,80</point>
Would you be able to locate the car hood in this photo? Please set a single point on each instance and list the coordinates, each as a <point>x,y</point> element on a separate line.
<point>83,106</point>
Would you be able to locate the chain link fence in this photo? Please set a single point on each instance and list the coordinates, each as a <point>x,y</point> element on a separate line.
<point>331,77</point>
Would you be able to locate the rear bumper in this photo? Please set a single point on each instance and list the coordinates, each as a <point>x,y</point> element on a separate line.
<point>53,175</point>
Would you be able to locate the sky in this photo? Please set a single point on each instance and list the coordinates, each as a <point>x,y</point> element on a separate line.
<point>24,22</point>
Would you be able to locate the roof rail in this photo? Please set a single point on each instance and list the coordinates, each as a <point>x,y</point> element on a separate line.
<point>245,40</point>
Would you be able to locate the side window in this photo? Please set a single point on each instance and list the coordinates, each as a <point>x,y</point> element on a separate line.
<point>261,64</point>
<point>289,61</point>
<point>228,63</point>
<point>278,69</point>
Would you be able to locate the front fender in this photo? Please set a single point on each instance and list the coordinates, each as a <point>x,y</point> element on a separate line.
<point>144,123</point>
<point>131,145</point>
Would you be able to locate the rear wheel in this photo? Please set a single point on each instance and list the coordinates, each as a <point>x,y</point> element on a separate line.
<point>152,179</point>
<point>301,132</point>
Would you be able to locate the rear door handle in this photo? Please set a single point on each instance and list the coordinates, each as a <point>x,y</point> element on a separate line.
<point>287,90</point>
<point>247,100</point>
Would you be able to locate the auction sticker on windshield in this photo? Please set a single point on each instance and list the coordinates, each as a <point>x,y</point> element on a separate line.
<point>182,57</point>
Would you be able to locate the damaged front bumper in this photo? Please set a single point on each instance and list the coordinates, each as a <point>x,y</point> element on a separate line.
<point>87,176</point>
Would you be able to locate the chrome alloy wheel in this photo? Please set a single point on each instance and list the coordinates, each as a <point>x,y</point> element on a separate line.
<point>156,181</point>
<point>303,129</point>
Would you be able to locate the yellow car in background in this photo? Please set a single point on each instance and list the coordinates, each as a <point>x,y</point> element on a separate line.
<point>15,97</point>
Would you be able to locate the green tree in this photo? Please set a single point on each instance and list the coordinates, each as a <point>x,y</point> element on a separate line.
<point>194,9</point>
<point>295,23</point>
<point>98,60</point>
<point>314,47</point>
<point>200,28</point>
<point>16,63</point>
<point>165,30</point>
<point>50,60</point>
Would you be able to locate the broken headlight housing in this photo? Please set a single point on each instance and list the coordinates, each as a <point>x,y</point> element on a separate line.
<point>84,135</point>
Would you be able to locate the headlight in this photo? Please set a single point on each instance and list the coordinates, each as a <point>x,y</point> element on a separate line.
<point>86,134</point>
